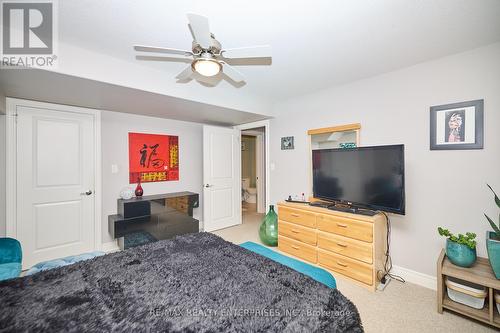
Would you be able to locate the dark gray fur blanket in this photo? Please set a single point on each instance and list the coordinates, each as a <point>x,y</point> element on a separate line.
<point>192,283</point>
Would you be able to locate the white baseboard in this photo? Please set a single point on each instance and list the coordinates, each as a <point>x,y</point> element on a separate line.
<point>421,279</point>
<point>110,247</point>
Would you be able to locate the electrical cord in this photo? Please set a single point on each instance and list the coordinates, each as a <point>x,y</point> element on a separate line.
<point>388,260</point>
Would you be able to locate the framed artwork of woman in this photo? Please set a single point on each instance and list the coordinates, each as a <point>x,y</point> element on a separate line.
<point>457,126</point>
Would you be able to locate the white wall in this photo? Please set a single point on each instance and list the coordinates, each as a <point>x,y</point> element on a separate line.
<point>443,188</point>
<point>115,129</point>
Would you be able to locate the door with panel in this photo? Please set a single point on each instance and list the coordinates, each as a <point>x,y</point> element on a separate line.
<point>221,177</point>
<point>55,178</point>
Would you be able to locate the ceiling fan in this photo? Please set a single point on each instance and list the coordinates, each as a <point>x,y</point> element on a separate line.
<point>209,58</point>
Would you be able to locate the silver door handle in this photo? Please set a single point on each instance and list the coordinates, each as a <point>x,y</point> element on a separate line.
<point>89,192</point>
<point>208,185</point>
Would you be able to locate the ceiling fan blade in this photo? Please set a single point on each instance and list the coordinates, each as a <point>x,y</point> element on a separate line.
<point>200,30</point>
<point>187,73</point>
<point>263,51</point>
<point>162,58</point>
<point>232,73</point>
<point>143,48</point>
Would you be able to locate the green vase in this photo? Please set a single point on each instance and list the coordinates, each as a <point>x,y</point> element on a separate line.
<point>493,247</point>
<point>460,254</point>
<point>268,230</point>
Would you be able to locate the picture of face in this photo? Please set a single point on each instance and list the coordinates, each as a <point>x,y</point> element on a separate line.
<point>455,126</point>
<point>287,143</point>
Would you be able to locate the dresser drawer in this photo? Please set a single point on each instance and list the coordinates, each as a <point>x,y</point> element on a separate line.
<point>346,227</point>
<point>344,265</point>
<point>348,247</point>
<point>297,216</point>
<point>297,249</point>
<point>303,234</point>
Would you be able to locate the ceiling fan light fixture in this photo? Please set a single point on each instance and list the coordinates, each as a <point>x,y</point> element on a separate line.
<point>207,67</point>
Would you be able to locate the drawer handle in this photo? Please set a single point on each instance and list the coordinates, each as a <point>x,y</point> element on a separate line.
<point>295,215</point>
<point>342,225</point>
<point>296,247</point>
<point>295,231</point>
<point>341,264</point>
<point>342,244</point>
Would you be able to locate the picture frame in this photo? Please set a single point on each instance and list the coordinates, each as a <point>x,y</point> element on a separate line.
<point>287,143</point>
<point>457,126</point>
<point>153,157</point>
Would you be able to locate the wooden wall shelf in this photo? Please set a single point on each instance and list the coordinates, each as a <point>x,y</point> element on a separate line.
<point>482,274</point>
<point>341,128</point>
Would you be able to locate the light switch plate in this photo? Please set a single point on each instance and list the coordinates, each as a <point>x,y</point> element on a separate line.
<point>114,168</point>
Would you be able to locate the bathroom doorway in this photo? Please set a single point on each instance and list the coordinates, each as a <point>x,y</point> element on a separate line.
<point>253,163</point>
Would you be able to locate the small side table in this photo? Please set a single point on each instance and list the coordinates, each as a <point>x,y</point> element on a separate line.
<point>481,274</point>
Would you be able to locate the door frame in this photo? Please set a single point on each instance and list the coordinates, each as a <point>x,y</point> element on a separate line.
<point>267,128</point>
<point>260,166</point>
<point>11,163</point>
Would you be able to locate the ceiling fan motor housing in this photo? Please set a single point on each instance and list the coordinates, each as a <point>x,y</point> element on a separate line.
<point>215,48</point>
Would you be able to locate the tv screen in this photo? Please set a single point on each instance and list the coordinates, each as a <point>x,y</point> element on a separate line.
<point>366,177</point>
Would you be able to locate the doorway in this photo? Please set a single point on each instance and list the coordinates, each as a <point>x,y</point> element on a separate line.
<point>253,166</point>
<point>53,200</point>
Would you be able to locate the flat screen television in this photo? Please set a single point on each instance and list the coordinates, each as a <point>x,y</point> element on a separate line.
<point>364,177</point>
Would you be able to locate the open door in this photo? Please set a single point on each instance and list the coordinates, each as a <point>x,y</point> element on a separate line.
<point>221,177</point>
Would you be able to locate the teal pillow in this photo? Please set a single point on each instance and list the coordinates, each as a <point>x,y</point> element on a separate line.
<point>10,251</point>
<point>10,270</point>
<point>45,265</point>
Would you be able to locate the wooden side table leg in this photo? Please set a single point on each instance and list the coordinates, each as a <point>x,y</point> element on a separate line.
<point>491,304</point>
<point>440,293</point>
<point>440,283</point>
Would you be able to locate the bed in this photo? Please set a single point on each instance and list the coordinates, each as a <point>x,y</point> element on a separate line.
<point>192,283</point>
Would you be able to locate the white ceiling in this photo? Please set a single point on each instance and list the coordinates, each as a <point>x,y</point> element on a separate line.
<point>315,44</point>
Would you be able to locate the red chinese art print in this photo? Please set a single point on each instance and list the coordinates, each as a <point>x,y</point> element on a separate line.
<point>153,157</point>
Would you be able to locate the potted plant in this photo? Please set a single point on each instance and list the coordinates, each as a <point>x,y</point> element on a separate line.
<point>461,249</point>
<point>493,241</point>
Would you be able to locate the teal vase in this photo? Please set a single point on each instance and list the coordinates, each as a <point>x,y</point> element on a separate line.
<point>268,230</point>
<point>493,247</point>
<point>460,254</point>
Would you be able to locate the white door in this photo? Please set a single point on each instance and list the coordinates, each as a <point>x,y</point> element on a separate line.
<point>55,183</point>
<point>221,177</point>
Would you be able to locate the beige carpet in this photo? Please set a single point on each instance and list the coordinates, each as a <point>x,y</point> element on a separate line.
<point>399,308</point>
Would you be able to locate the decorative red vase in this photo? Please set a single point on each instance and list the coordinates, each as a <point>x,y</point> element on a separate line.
<point>138,190</point>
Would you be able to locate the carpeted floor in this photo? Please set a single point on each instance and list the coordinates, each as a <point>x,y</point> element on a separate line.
<point>399,308</point>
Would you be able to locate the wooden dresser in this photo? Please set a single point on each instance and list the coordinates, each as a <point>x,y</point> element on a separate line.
<point>349,244</point>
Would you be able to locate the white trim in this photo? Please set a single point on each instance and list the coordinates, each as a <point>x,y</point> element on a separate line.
<point>11,167</point>
<point>421,279</point>
<point>267,134</point>
<point>97,181</point>
<point>110,247</point>
<point>260,162</point>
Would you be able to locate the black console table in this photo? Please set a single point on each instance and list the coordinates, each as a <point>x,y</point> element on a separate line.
<point>153,217</point>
